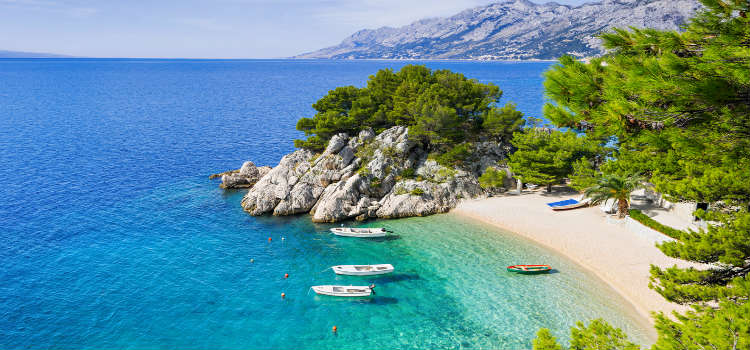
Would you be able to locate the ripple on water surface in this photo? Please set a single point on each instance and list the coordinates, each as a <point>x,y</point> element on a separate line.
<point>96,252</point>
<point>183,278</point>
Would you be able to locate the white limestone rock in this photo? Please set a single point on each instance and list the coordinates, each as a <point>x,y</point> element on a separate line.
<point>363,177</point>
<point>277,183</point>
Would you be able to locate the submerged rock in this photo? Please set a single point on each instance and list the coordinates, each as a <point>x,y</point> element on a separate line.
<point>367,176</point>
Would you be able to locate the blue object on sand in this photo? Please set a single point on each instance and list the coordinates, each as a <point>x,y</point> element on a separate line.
<point>563,203</point>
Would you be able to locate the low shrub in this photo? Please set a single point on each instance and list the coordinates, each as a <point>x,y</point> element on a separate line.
<point>637,215</point>
<point>492,178</point>
<point>408,173</point>
<point>363,170</point>
<point>455,156</point>
<point>417,192</point>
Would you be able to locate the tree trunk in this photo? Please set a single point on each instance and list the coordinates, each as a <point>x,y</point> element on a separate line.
<point>622,208</point>
<point>549,188</point>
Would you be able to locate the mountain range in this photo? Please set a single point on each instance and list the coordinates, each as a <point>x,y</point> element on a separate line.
<point>511,30</point>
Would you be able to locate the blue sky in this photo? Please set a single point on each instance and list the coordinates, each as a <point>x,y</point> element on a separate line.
<point>202,28</point>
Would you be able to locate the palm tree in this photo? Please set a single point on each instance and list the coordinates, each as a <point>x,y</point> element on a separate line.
<point>616,187</point>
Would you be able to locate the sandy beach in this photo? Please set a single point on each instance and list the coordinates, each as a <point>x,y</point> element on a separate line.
<point>587,236</point>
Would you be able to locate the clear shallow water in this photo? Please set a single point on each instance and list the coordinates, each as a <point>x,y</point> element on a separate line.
<point>112,236</point>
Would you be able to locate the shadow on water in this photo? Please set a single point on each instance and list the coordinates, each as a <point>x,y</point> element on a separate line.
<point>371,300</point>
<point>384,239</point>
<point>553,271</point>
<point>380,300</point>
<point>397,277</point>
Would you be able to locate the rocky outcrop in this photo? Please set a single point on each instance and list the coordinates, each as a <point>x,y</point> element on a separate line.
<point>512,29</point>
<point>244,177</point>
<point>368,176</point>
<point>277,184</point>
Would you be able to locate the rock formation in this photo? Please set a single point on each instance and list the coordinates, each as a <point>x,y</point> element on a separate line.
<point>244,177</point>
<point>368,176</point>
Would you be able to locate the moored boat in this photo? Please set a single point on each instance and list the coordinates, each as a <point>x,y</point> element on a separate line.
<point>529,269</point>
<point>345,291</point>
<point>569,204</point>
<point>359,232</point>
<point>363,270</point>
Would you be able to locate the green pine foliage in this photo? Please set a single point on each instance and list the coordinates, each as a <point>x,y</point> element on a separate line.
<point>598,335</point>
<point>725,326</point>
<point>545,341</point>
<point>502,122</point>
<point>676,106</point>
<point>442,109</point>
<point>455,156</point>
<point>726,246</point>
<point>492,178</point>
<point>584,174</point>
<point>546,157</point>
<point>677,103</point>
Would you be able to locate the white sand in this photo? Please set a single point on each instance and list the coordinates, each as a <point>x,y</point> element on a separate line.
<point>587,236</point>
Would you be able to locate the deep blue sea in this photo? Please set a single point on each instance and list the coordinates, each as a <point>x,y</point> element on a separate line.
<point>112,236</point>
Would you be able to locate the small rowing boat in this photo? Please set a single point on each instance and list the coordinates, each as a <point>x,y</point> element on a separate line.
<point>345,291</point>
<point>363,270</point>
<point>529,269</point>
<point>359,232</point>
<point>569,204</point>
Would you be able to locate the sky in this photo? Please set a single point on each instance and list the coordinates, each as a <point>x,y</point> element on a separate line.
<point>204,28</point>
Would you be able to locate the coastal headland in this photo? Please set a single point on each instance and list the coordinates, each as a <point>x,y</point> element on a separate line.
<point>364,177</point>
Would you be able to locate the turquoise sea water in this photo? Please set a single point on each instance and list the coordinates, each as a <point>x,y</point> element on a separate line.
<point>112,236</point>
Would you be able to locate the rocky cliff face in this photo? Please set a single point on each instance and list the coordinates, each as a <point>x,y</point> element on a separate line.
<point>369,176</point>
<point>512,29</point>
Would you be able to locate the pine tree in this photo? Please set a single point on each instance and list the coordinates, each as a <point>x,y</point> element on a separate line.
<point>442,107</point>
<point>598,335</point>
<point>545,157</point>
<point>677,107</point>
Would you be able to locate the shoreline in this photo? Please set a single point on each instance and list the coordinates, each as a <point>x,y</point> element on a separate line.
<point>619,258</point>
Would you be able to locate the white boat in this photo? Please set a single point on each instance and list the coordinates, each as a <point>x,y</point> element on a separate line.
<point>344,291</point>
<point>363,270</point>
<point>359,232</point>
<point>569,204</point>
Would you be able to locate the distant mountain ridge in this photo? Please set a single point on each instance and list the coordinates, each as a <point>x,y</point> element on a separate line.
<point>511,29</point>
<point>22,54</point>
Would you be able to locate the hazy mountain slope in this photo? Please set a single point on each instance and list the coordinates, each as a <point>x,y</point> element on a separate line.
<point>511,29</point>
<point>20,54</point>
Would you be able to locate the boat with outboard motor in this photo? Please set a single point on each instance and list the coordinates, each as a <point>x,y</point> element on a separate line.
<point>345,291</point>
<point>359,232</point>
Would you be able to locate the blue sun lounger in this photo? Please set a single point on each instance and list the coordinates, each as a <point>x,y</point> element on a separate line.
<point>568,204</point>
